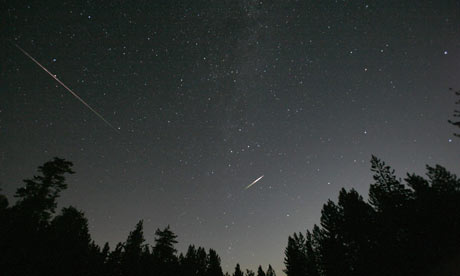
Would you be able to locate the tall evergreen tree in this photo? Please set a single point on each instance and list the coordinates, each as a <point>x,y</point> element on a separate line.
<point>189,262</point>
<point>132,253</point>
<point>69,243</point>
<point>38,197</point>
<point>238,271</point>
<point>213,268</point>
<point>260,271</point>
<point>456,113</point>
<point>387,193</point>
<point>270,271</point>
<point>399,232</point>
<point>357,231</point>
<point>330,240</point>
<point>311,256</point>
<point>391,200</point>
<point>24,233</point>
<point>114,261</point>
<point>295,256</point>
<point>98,259</point>
<point>202,261</point>
<point>164,252</point>
<point>3,202</point>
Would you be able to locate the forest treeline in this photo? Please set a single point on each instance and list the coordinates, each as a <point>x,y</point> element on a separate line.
<point>406,227</point>
<point>36,241</point>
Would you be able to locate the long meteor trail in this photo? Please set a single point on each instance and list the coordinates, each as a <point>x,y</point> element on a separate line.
<point>67,88</point>
<point>253,182</point>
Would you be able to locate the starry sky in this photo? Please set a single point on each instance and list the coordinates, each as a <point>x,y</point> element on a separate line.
<point>207,96</point>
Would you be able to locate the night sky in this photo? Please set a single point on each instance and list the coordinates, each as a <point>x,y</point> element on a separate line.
<point>207,96</point>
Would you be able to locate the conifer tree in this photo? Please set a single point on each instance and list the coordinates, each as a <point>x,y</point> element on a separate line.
<point>238,271</point>
<point>456,113</point>
<point>70,243</point>
<point>387,193</point>
<point>114,261</point>
<point>213,268</point>
<point>164,252</point>
<point>270,271</point>
<point>202,261</point>
<point>311,256</point>
<point>295,256</point>
<point>391,200</point>
<point>24,230</point>
<point>260,271</point>
<point>133,249</point>
<point>3,202</point>
<point>189,262</point>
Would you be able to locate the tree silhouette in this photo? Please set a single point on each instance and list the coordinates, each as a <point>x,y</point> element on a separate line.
<point>391,201</point>
<point>38,197</point>
<point>213,268</point>
<point>133,251</point>
<point>456,113</point>
<point>164,252</point>
<point>270,271</point>
<point>296,256</point>
<point>3,203</point>
<point>114,261</point>
<point>25,233</point>
<point>405,228</point>
<point>32,242</point>
<point>311,261</point>
<point>194,262</point>
<point>260,271</point>
<point>388,193</point>
<point>238,271</point>
<point>70,243</point>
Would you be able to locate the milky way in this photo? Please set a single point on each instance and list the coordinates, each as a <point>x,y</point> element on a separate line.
<point>209,95</point>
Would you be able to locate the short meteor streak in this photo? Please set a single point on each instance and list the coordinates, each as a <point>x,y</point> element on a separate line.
<point>254,182</point>
<point>67,88</point>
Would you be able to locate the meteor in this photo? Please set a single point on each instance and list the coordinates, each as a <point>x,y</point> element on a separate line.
<point>67,88</point>
<point>254,182</point>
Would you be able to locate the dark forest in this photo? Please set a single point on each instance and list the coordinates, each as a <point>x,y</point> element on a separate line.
<point>407,227</point>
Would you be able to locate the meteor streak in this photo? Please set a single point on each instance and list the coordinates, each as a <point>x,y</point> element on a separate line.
<point>67,88</point>
<point>254,182</point>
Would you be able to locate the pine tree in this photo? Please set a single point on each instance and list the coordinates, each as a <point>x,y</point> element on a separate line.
<point>456,113</point>
<point>358,231</point>
<point>24,229</point>
<point>213,268</point>
<point>388,193</point>
<point>270,271</point>
<point>3,202</point>
<point>238,271</point>
<point>295,258</point>
<point>105,251</point>
<point>132,253</point>
<point>189,262</point>
<point>311,256</point>
<point>202,261</point>
<point>38,198</point>
<point>70,243</point>
<point>330,242</point>
<point>391,201</point>
<point>113,265</point>
<point>260,271</point>
<point>164,252</point>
